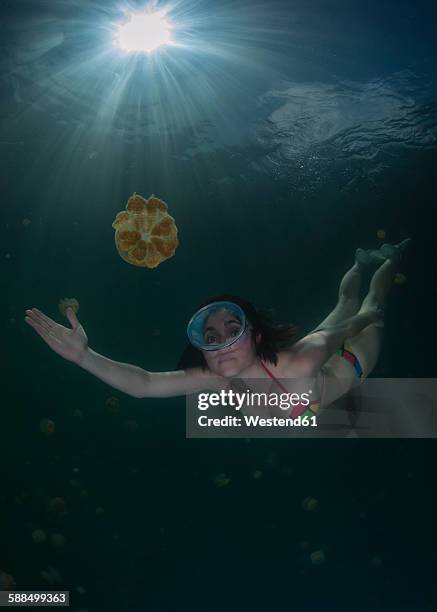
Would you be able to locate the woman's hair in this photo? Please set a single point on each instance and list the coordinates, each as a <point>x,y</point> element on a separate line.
<point>274,337</point>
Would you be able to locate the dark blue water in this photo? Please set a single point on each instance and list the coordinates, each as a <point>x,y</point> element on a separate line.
<point>282,136</point>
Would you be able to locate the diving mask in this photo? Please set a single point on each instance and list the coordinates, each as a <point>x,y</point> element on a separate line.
<point>217,325</point>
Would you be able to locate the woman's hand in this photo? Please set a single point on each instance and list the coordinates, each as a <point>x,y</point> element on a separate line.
<point>71,344</point>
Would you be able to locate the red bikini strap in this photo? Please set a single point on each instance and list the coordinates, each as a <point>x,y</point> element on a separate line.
<point>274,378</point>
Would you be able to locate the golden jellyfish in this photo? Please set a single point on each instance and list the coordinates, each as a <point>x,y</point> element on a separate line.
<point>400,279</point>
<point>39,536</point>
<point>68,302</point>
<point>7,582</point>
<point>222,480</point>
<point>47,426</point>
<point>317,557</point>
<point>57,540</point>
<point>131,426</point>
<point>51,575</point>
<point>305,546</point>
<point>380,234</point>
<point>376,562</point>
<point>113,405</point>
<point>145,234</point>
<point>56,505</point>
<point>309,504</point>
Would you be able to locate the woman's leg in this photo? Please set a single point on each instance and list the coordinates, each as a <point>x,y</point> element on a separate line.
<point>348,293</point>
<point>348,297</point>
<point>366,345</point>
<point>339,375</point>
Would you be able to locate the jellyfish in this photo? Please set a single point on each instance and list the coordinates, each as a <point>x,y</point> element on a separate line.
<point>380,234</point>
<point>221,480</point>
<point>310,504</point>
<point>131,426</point>
<point>68,302</point>
<point>317,557</point>
<point>305,546</point>
<point>47,426</point>
<point>57,540</point>
<point>39,536</point>
<point>145,234</point>
<point>7,582</point>
<point>51,575</point>
<point>26,222</point>
<point>257,474</point>
<point>113,405</point>
<point>400,279</point>
<point>56,505</point>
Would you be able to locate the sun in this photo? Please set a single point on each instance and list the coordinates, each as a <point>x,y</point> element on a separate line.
<point>143,32</point>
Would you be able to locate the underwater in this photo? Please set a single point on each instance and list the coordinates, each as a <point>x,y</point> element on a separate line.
<point>215,195</point>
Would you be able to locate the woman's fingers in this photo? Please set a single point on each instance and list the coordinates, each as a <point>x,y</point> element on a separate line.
<point>40,318</point>
<point>40,329</point>
<point>48,335</point>
<point>49,322</point>
<point>71,316</point>
<point>41,323</point>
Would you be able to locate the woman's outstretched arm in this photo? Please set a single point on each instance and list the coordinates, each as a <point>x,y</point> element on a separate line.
<point>72,345</point>
<point>137,382</point>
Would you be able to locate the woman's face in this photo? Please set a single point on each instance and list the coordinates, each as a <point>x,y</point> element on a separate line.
<point>231,360</point>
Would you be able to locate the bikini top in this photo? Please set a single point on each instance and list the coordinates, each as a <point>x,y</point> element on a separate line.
<point>300,409</point>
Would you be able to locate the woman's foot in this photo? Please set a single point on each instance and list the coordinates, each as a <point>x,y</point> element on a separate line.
<point>394,251</point>
<point>378,256</point>
<point>371,256</point>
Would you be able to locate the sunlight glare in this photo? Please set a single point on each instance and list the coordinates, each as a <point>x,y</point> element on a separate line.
<point>144,32</point>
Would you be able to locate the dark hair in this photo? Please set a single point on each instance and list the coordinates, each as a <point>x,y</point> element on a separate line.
<point>274,337</point>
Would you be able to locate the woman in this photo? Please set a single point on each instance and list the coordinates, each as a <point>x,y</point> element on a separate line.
<point>230,338</point>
